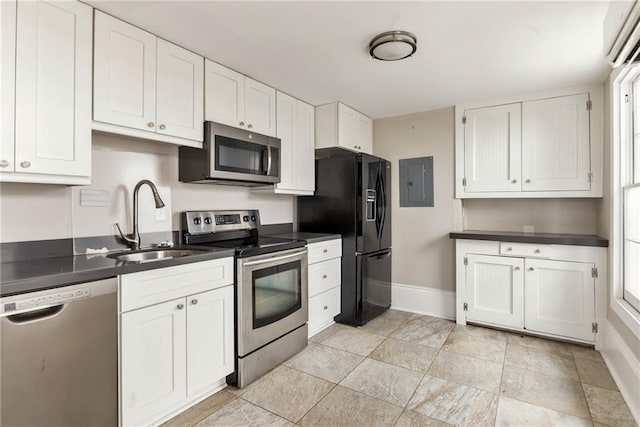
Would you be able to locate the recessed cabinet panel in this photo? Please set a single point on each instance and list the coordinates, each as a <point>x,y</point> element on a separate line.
<point>492,149</point>
<point>180,88</point>
<point>285,130</point>
<point>260,107</point>
<point>555,144</point>
<point>8,88</point>
<point>494,289</point>
<point>53,88</point>
<point>304,148</point>
<point>560,298</point>
<point>124,74</point>
<point>224,95</point>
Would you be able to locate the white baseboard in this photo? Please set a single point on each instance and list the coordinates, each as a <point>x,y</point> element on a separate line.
<point>423,300</point>
<point>624,368</point>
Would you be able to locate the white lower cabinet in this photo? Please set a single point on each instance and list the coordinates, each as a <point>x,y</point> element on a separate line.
<point>173,353</point>
<point>324,283</point>
<point>551,290</point>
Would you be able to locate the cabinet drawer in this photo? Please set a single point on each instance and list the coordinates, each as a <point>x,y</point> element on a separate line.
<point>322,308</point>
<point>525,250</point>
<point>324,276</point>
<point>323,251</point>
<point>163,284</point>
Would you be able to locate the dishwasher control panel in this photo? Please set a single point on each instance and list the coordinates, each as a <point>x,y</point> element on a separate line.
<point>26,302</point>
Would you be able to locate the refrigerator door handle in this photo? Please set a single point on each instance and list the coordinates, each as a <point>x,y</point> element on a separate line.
<point>384,202</point>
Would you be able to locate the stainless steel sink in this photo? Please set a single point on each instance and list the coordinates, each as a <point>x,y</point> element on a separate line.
<point>154,254</point>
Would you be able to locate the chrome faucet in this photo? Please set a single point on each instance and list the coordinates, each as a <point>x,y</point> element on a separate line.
<point>134,240</point>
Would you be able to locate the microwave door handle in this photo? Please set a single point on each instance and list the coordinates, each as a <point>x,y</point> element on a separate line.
<point>268,160</point>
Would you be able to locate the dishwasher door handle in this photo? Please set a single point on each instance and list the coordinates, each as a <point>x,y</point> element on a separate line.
<point>36,315</point>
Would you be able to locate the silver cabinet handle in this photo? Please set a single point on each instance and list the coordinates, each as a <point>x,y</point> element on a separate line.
<point>151,124</point>
<point>324,276</point>
<point>517,268</point>
<point>241,123</point>
<point>250,126</point>
<point>326,307</point>
<point>162,127</point>
<point>4,164</point>
<point>509,249</point>
<point>25,164</point>
<point>513,181</point>
<point>180,306</point>
<point>324,251</point>
<point>527,181</point>
<point>537,251</point>
<point>194,301</point>
<point>530,268</point>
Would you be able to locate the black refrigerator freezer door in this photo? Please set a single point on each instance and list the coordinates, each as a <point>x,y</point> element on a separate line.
<point>370,194</point>
<point>374,290</point>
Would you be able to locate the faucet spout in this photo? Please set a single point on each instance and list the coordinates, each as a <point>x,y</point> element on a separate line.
<point>134,239</point>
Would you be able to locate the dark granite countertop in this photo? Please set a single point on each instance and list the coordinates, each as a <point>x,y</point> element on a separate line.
<point>308,237</point>
<point>34,275</point>
<point>542,238</point>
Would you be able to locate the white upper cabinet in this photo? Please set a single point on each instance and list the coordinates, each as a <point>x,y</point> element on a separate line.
<point>236,100</point>
<point>304,148</point>
<point>338,125</point>
<point>51,142</point>
<point>549,145</point>
<point>555,144</point>
<point>8,84</point>
<point>492,148</point>
<point>146,84</point>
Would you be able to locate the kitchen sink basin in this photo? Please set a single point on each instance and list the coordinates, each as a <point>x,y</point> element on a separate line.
<point>154,254</point>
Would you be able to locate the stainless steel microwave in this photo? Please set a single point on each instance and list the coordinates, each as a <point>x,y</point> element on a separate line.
<point>231,156</point>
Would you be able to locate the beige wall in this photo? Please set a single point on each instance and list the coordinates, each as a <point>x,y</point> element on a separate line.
<point>40,212</point>
<point>423,254</point>
<point>575,216</point>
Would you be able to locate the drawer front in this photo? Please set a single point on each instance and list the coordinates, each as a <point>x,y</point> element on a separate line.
<point>323,251</point>
<point>163,284</point>
<point>526,250</point>
<point>322,309</point>
<point>324,276</point>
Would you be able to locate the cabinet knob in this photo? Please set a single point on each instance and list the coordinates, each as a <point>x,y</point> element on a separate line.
<point>513,181</point>
<point>180,306</point>
<point>194,301</point>
<point>527,181</point>
<point>241,123</point>
<point>151,124</point>
<point>516,268</point>
<point>162,127</point>
<point>509,249</point>
<point>250,126</point>
<point>537,251</point>
<point>326,307</point>
<point>530,268</point>
<point>4,164</point>
<point>324,251</point>
<point>324,276</point>
<point>25,164</point>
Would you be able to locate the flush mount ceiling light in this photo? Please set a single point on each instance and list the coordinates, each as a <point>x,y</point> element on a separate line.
<point>393,45</point>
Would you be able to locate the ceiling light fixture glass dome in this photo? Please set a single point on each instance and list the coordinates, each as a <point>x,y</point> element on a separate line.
<point>393,45</point>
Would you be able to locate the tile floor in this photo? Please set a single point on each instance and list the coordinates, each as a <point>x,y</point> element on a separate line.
<point>404,370</point>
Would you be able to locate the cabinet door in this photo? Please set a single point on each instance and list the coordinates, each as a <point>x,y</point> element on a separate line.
<point>494,290</point>
<point>152,361</point>
<point>348,128</point>
<point>260,107</point>
<point>210,338</point>
<point>53,88</point>
<point>555,144</point>
<point>180,92</point>
<point>304,148</point>
<point>124,74</point>
<point>224,95</point>
<point>364,131</point>
<point>286,131</point>
<point>492,149</point>
<point>559,298</point>
<point>7,83</point>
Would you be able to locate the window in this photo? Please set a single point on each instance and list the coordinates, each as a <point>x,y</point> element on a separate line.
<point>625,196</point>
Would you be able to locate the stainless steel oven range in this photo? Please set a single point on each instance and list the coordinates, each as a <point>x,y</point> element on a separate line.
<point>271,288</point>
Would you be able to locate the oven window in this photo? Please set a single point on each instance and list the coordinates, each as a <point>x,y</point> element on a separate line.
<point>276,293</point>
<point>233,155</point>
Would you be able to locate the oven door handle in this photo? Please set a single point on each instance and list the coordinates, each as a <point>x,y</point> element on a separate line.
<point>264,261</point>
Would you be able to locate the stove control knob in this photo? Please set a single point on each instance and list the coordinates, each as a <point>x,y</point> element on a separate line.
<point>197,220</point>
<point>245,218</point>
<point>207,220</point>
<point>253,218</point>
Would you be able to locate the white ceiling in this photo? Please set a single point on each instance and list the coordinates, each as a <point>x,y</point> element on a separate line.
<point>318,51</point>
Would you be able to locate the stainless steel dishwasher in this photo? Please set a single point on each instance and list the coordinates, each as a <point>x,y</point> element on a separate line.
<point>59,357</point>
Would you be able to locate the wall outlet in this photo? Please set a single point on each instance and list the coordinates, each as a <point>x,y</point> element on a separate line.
<point>529,229</point>
<point>161,214</point>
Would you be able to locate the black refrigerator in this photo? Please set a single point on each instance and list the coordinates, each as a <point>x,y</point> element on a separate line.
<point>352,198</point>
